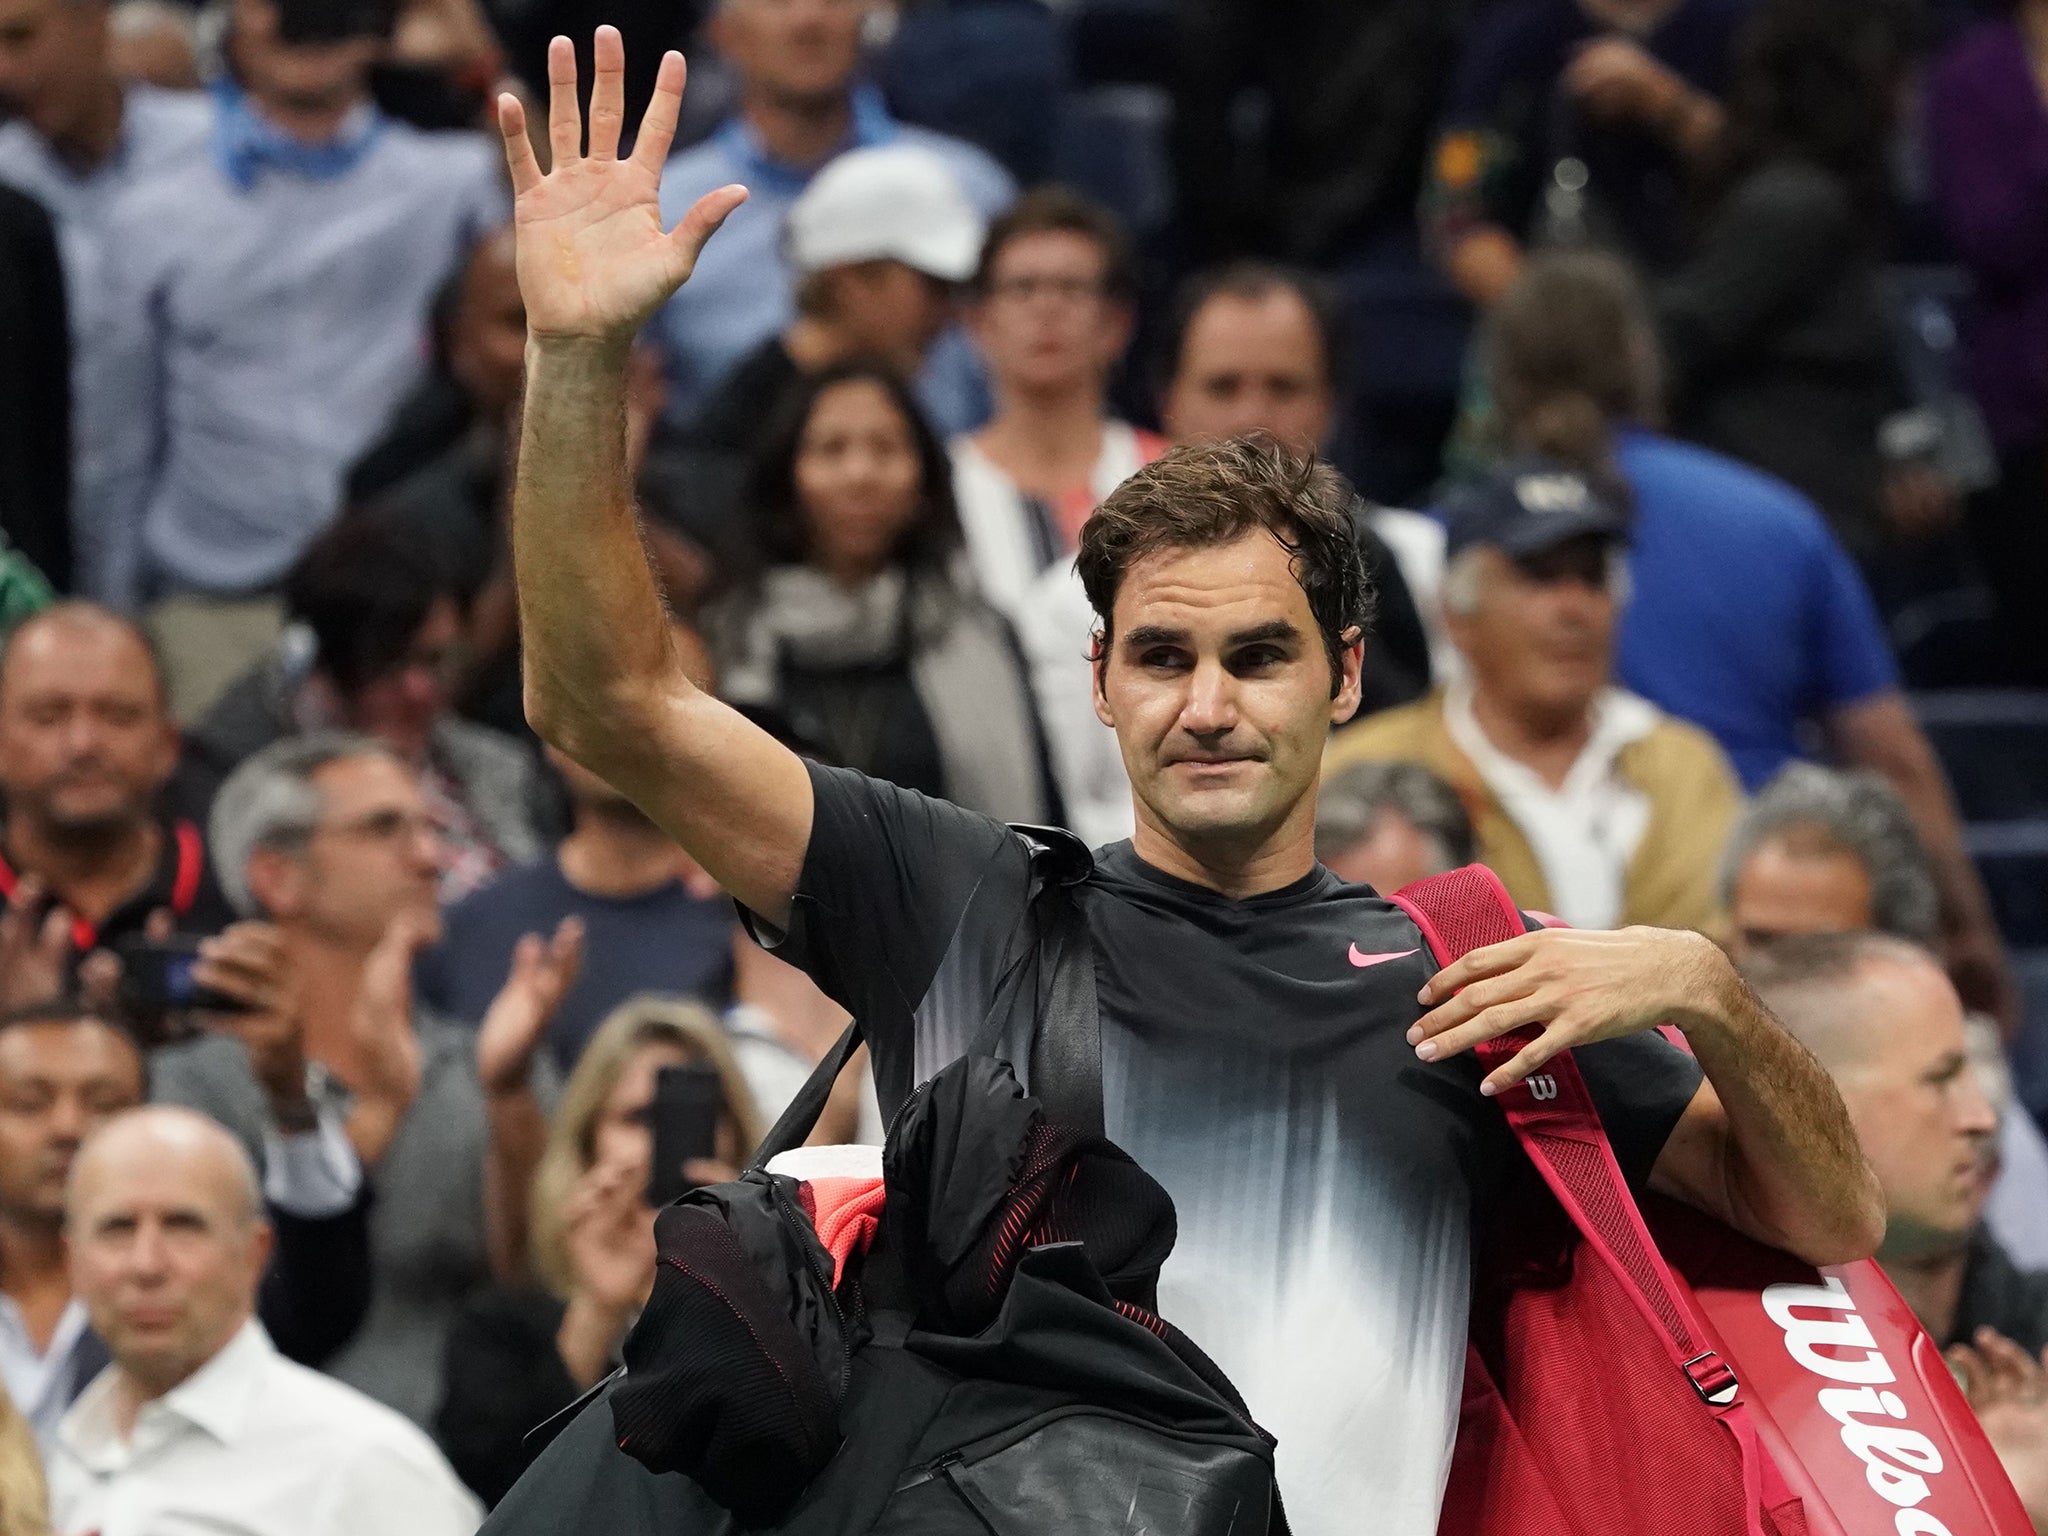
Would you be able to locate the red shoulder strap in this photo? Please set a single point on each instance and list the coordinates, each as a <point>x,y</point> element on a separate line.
<point>1553,1116</point>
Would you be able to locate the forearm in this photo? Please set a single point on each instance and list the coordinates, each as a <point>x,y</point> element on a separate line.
<point>1787,1160</point>
<point>371,1125</point>
<point>518,1131</point>
<point>597,647</point>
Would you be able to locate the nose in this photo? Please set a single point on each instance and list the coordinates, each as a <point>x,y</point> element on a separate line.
<point>1210,709</point>
<point>1974,1114</point>
<point>148,1254</point>
<point>425,845</point>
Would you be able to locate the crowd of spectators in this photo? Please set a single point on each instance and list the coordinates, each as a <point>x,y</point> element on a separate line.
<point>1692,356</point>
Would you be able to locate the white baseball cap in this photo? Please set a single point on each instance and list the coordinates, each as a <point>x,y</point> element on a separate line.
<point>895,203</point>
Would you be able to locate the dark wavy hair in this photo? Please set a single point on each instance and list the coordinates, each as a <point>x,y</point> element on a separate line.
<point>932,536</point>
<point>1201,494</point>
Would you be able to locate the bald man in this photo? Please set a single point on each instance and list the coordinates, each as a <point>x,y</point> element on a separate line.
<point>199,1423</point>
<point>86,747</point>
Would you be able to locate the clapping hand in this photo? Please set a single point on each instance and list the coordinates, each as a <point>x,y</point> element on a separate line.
<point>2008,1388</point>
<point>388,1062</point>
<point>594,262</point>
<point>250,963</point>
<point>542,973</point>
<point>35,948</point>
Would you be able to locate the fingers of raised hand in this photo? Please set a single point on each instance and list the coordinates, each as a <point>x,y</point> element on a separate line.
<point>607,93</point>
<point>703,220</point>
<point>565,954</point>
<point>520,161</point>
<point>658,122</point>
<point>565,116</point>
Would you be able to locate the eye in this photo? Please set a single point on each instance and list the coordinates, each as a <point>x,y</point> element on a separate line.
<point>1258,658</point>
<point>1162,658</point>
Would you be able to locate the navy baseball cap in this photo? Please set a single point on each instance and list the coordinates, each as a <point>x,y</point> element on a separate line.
<point>1529,505</point>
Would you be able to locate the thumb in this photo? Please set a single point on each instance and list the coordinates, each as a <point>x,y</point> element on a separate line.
<point>703,221</point>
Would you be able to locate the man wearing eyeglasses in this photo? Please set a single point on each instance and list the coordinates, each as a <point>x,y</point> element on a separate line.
<point>330,838</point>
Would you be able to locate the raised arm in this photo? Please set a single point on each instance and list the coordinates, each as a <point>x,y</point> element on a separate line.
<point>604,681</point>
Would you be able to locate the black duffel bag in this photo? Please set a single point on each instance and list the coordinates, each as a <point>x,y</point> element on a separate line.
<point>994,1362</point>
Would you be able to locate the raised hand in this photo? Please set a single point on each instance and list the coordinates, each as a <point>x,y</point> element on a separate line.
<point>251,963</point>
<point>593,259</point>
<point>35,947</point>
<point>2008,1388</point>
<point>388,1061</point>
<point>541,975</point>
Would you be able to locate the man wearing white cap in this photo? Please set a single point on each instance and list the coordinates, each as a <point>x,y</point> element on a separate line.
<point>876,246</point>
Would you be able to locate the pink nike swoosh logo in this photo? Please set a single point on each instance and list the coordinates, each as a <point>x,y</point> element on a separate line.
<point>1362,960</point>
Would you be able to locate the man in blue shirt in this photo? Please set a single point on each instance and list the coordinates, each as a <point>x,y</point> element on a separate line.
<point>800,105</point>
<point>273,298</point>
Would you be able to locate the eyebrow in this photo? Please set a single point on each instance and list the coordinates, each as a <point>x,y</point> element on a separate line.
<point>1160,634</point>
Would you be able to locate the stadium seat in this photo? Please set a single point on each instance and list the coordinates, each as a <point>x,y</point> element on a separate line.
<point>1994,744</point>
<point>1113,145</point>
<point>2013,858</point>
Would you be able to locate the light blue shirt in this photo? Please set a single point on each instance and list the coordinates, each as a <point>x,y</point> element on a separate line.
<point>267,332</point>
<point>741,291</point>
<point>160,132</point>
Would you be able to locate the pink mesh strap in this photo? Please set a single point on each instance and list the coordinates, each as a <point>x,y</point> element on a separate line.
<point>1554,1118</point>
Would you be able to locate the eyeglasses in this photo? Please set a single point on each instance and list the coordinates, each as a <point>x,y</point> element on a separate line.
<point>1024,288</point>
<point>390,826</point>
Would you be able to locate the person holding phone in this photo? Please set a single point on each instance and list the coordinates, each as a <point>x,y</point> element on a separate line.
<point>520,1353</point>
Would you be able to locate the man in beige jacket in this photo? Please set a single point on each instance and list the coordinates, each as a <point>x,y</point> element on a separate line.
<point>1588,801</point>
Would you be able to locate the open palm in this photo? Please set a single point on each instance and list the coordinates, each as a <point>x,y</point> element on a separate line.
<point>594,262</point>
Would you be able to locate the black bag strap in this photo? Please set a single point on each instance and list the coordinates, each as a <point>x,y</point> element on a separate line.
<point>1049,943</point>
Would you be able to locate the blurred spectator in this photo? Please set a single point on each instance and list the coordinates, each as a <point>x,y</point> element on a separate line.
<point>653,921</point>
<point>199,1422</point>
<point>1819,851</point>
<point>520,1354</point>
<point>857,629</point>
<point>1987,141</point>
<point>1777,329</point>
<point>1573,122</point>
<point>78,140</point>
<point>1587,800</point>
<point>24,1497</point>
<point>154,42</point>
<point>1745,616</point>
<point>35,392</point>
<point>1052,314</point>
<point>1884,1021</point>
<point>1254,348</point>
<point>1349,96</point>
<point>1826,852</point>
<point>876,245</point>
<point>800,105</point>
<point>329,837</point>
<point>85,749</point>
<point>375,646</point>
<point>1387,825</point>
<point>272,297</point>
<point>63,1073</point>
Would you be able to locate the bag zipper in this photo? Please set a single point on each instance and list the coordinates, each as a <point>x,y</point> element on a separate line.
<point>794,1219</point>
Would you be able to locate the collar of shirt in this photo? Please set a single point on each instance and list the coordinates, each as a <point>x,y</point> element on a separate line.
<point>1619,717</point>
<point>39,1381</point>
<point>214,1400</point>
<point>247,144</point>
<point>173,886</point>
<point>871,125</point>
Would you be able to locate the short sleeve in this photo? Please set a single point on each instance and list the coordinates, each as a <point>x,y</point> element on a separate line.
<point>1641,1084</point>
<point>898,887</point>
<point>1854,657</point>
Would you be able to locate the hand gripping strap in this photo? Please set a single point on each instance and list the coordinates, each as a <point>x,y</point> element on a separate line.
<point>1468,909</point>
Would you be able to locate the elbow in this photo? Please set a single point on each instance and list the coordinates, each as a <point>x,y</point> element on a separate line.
<point>1855,1230</point>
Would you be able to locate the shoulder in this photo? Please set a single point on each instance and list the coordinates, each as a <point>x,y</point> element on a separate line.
<point>1679,755</point>
<point>987,185</point>
<point>449,158</point>
<point>1400,732</point>
<point>362,1437</point>
<point>514,894</point>
<point>1662,469</point>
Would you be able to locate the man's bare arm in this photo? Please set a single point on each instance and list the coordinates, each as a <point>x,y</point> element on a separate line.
<point>604,680</point>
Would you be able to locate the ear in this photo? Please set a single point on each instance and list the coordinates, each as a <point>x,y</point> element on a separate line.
<point>1351,667</point>
<point>1116,336</point>
<point>166,755</point>
<point>1098,666</point>
<point>279,882</point>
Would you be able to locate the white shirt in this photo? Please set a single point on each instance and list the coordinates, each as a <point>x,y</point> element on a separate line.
<point>1584,832</point>
<point>41,1382</point>
<point>251,1445</point>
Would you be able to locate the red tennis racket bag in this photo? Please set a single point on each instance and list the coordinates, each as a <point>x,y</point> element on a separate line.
<point>1636,1371</point>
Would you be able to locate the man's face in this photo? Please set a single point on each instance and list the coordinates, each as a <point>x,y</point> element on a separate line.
<point>894,311</point>
<point>374,854</point>
<point>52,54</point>
<point>1217,684</point>
<point>1918,1109</point>
<point>165,1254</point>
<point>1394,852</point>
<point>1541,637</point>
<point>84,740</point>
<point>488,349</point>
<point>797,53</point>
<point>400,708</point>
<point>1782,890</point>
<point>1047,323</point>
<point>59,1082</point>
<point>302,77</point>
<point>1252,365</point>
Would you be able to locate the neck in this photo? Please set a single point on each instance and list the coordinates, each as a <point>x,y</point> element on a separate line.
<point>618,852</point>
<point>1933,1287</point>
<point>31,1255</point>
<point>799,132</point>
<point>1545,741</point>
<point>1237,867</point>
<point>91,873</point>
<point>1047,442</point>
<point>330,974</point>
<point>90,139</point>
<point>134,1389</point>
